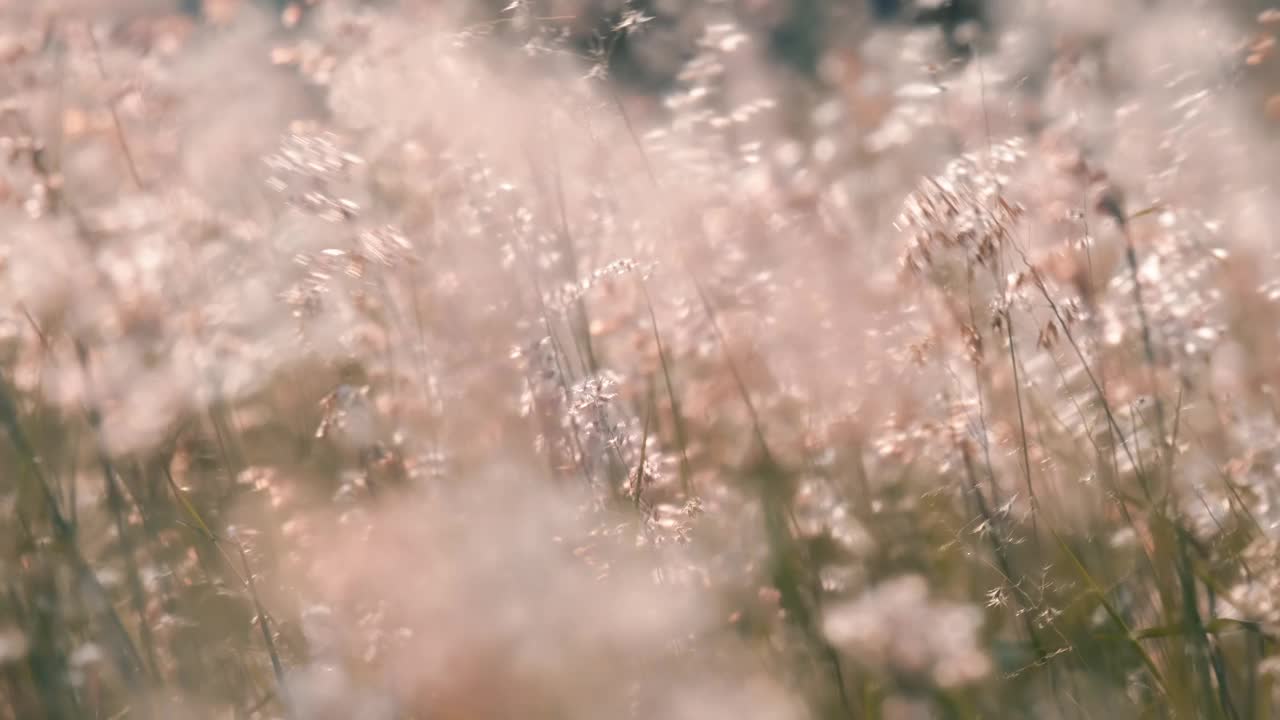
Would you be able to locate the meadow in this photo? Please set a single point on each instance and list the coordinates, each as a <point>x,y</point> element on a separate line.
<point>773,359</point>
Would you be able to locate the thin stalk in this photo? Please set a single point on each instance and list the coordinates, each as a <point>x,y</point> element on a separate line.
<point>277,667</point>
<point>1148,344</point>
<point>677,417</point>
<point>121,138</point>
<point>1022,424</point>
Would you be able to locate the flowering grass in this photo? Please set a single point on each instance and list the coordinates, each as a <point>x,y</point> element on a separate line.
<point>686,360</point>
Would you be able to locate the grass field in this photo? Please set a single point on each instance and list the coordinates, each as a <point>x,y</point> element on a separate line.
<point>399,360</point>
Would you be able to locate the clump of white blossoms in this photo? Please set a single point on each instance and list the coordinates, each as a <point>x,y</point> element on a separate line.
<point>895,628</point>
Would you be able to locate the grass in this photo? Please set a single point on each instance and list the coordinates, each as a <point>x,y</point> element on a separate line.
<point>434,372</point>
